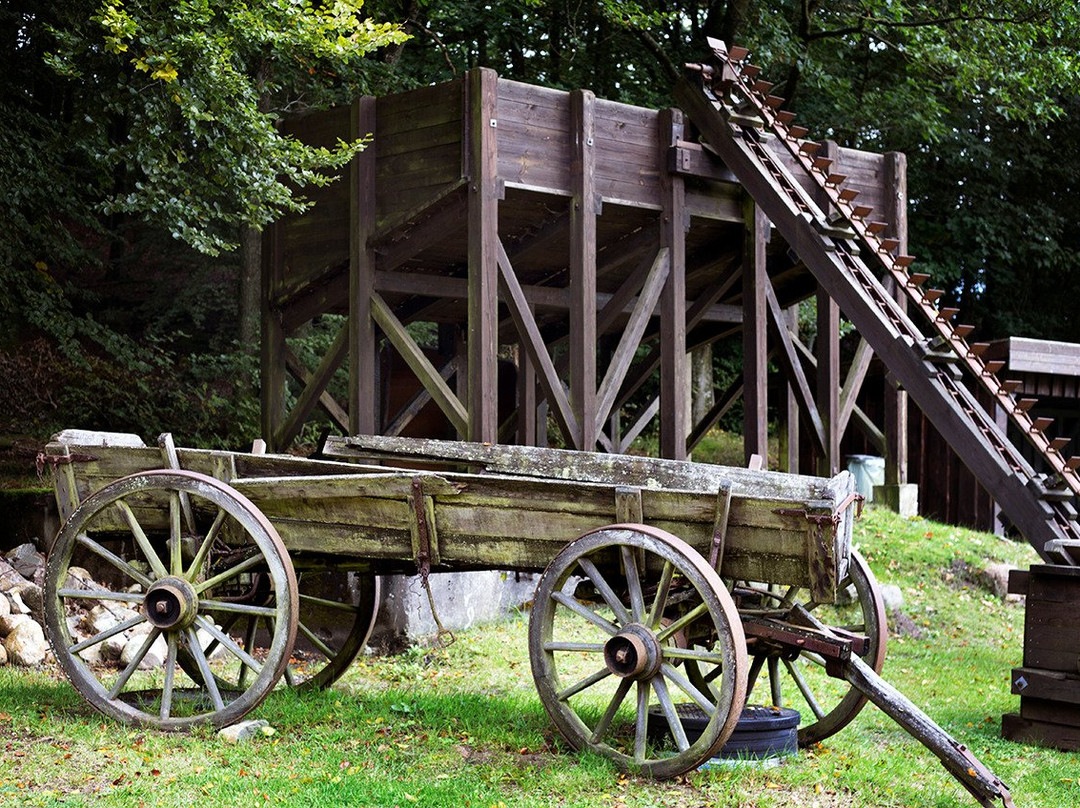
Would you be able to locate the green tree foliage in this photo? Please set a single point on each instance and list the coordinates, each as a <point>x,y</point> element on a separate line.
<point>161,113</point>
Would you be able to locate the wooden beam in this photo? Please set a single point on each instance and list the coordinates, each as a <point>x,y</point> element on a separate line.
<point>314,389</point>
<point>896,403</point>
<point>732,394</point>
<point>526,397</point>
<point>674,382</point>
<point>827,350</point>
<point>272,340</point>
<point>639,425</point>
<point>534,344</point>
<point>856,374</point>
<point>755,334</point>
<point>631,335</point>
<point>789,431</point>
<point>483,257</point>
<point>789,361</point>
<point>414,357</point>
<point>363,360</point>
<point>418,401</point>
<point>583,267</point>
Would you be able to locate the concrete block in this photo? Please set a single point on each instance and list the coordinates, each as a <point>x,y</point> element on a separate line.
<point>904,499</point>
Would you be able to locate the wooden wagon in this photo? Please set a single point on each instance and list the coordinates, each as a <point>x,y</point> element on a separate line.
<point>669,588</point>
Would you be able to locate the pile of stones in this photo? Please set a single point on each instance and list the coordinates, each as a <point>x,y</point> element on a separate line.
<point>22,638</point>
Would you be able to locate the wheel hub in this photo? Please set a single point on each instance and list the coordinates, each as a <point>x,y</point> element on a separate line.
<point>171,603</point>
<point>633,653</point>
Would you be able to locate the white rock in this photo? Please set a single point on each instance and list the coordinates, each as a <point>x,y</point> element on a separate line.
<point>27,561</point>
<point>113,646</point>
<point>893,597</point>
<point>80,578</point>
<point>26,644</point>
<point>245,730</point>
<point>206,639</point>
<point>3,655</point>
<point>5,606</point>
<point>17,604</point>
<point>154,658</point>
<point>92,655</point>
<point>33,597</point>
<point>8,623</point>
<point>996,578</point>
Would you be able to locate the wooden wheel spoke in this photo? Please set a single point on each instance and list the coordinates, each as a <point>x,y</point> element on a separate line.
<point>755,671</point>
<point>774,682</point>
<point>209,682</point>
<point>585,612</point>
<point>659,603</point>
<point>170,677</point>
<point>609,713</point>
<point>592,647</point>
<point>229,643</point>
<point>249,647</point>
<point>235,608</point>
<point>583,684</point>
<point>633,583</point>
<point>230,573</point>
<point>698,611</point>
<point>700,655</point>
<point>684,684</point>
<point>101,594</point>
<point>670,713</point>
<point>641,721</point>
<point>195,567</point>
<point>104,635</point>
<point>290,678</point>
<point>605,590</point>
<point>141,540</point>
<point>315,640</point>
<point>113,559</point>
<point>138,657</point>
<point>790,595</point>
<point>330,604</point>
<point>804,688</point>
<point>176,562</point>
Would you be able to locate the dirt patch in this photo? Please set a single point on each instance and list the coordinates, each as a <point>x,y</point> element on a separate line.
<point>901,625</point>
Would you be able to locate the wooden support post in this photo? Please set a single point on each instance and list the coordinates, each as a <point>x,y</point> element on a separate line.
<point>363,351</point>
<point>674,384</point>
<point>272,347</point>
<point>755,334</point>
<point>583,269</point>
<point>827,350</point>
<point>526,396</point>
<point>483,257</point>
<point>896,404</point>
<point>789,435</point>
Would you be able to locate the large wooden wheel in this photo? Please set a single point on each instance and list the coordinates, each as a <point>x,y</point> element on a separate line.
<point>826,704</point>
<point>337,611</point>
<point>171,548</point>
<point>612,616</point>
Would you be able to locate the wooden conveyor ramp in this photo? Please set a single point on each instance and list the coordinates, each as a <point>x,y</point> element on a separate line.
<point>839,243</point>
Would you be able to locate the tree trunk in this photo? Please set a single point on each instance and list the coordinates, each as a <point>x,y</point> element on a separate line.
<point>701,383</point>
<point>250,287</point>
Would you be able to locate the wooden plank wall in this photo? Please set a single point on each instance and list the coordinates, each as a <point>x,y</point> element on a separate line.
<point>419,147</point>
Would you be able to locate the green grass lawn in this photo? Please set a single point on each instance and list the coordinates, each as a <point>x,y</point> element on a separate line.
<point>464,727</point>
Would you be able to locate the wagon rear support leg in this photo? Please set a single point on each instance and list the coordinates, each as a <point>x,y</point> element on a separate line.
<point>841,663</point>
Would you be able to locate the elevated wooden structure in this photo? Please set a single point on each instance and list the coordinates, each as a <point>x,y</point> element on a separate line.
<point>596,244</point>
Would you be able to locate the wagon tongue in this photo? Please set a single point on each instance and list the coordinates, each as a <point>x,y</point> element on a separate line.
<point>801,631</point>
<point>983,784</point>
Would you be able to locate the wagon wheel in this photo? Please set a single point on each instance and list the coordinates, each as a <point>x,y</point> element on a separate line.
<point>587,657</point>
<point>166,543</point>
<point>802,680</point>
<point>336,616</point>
